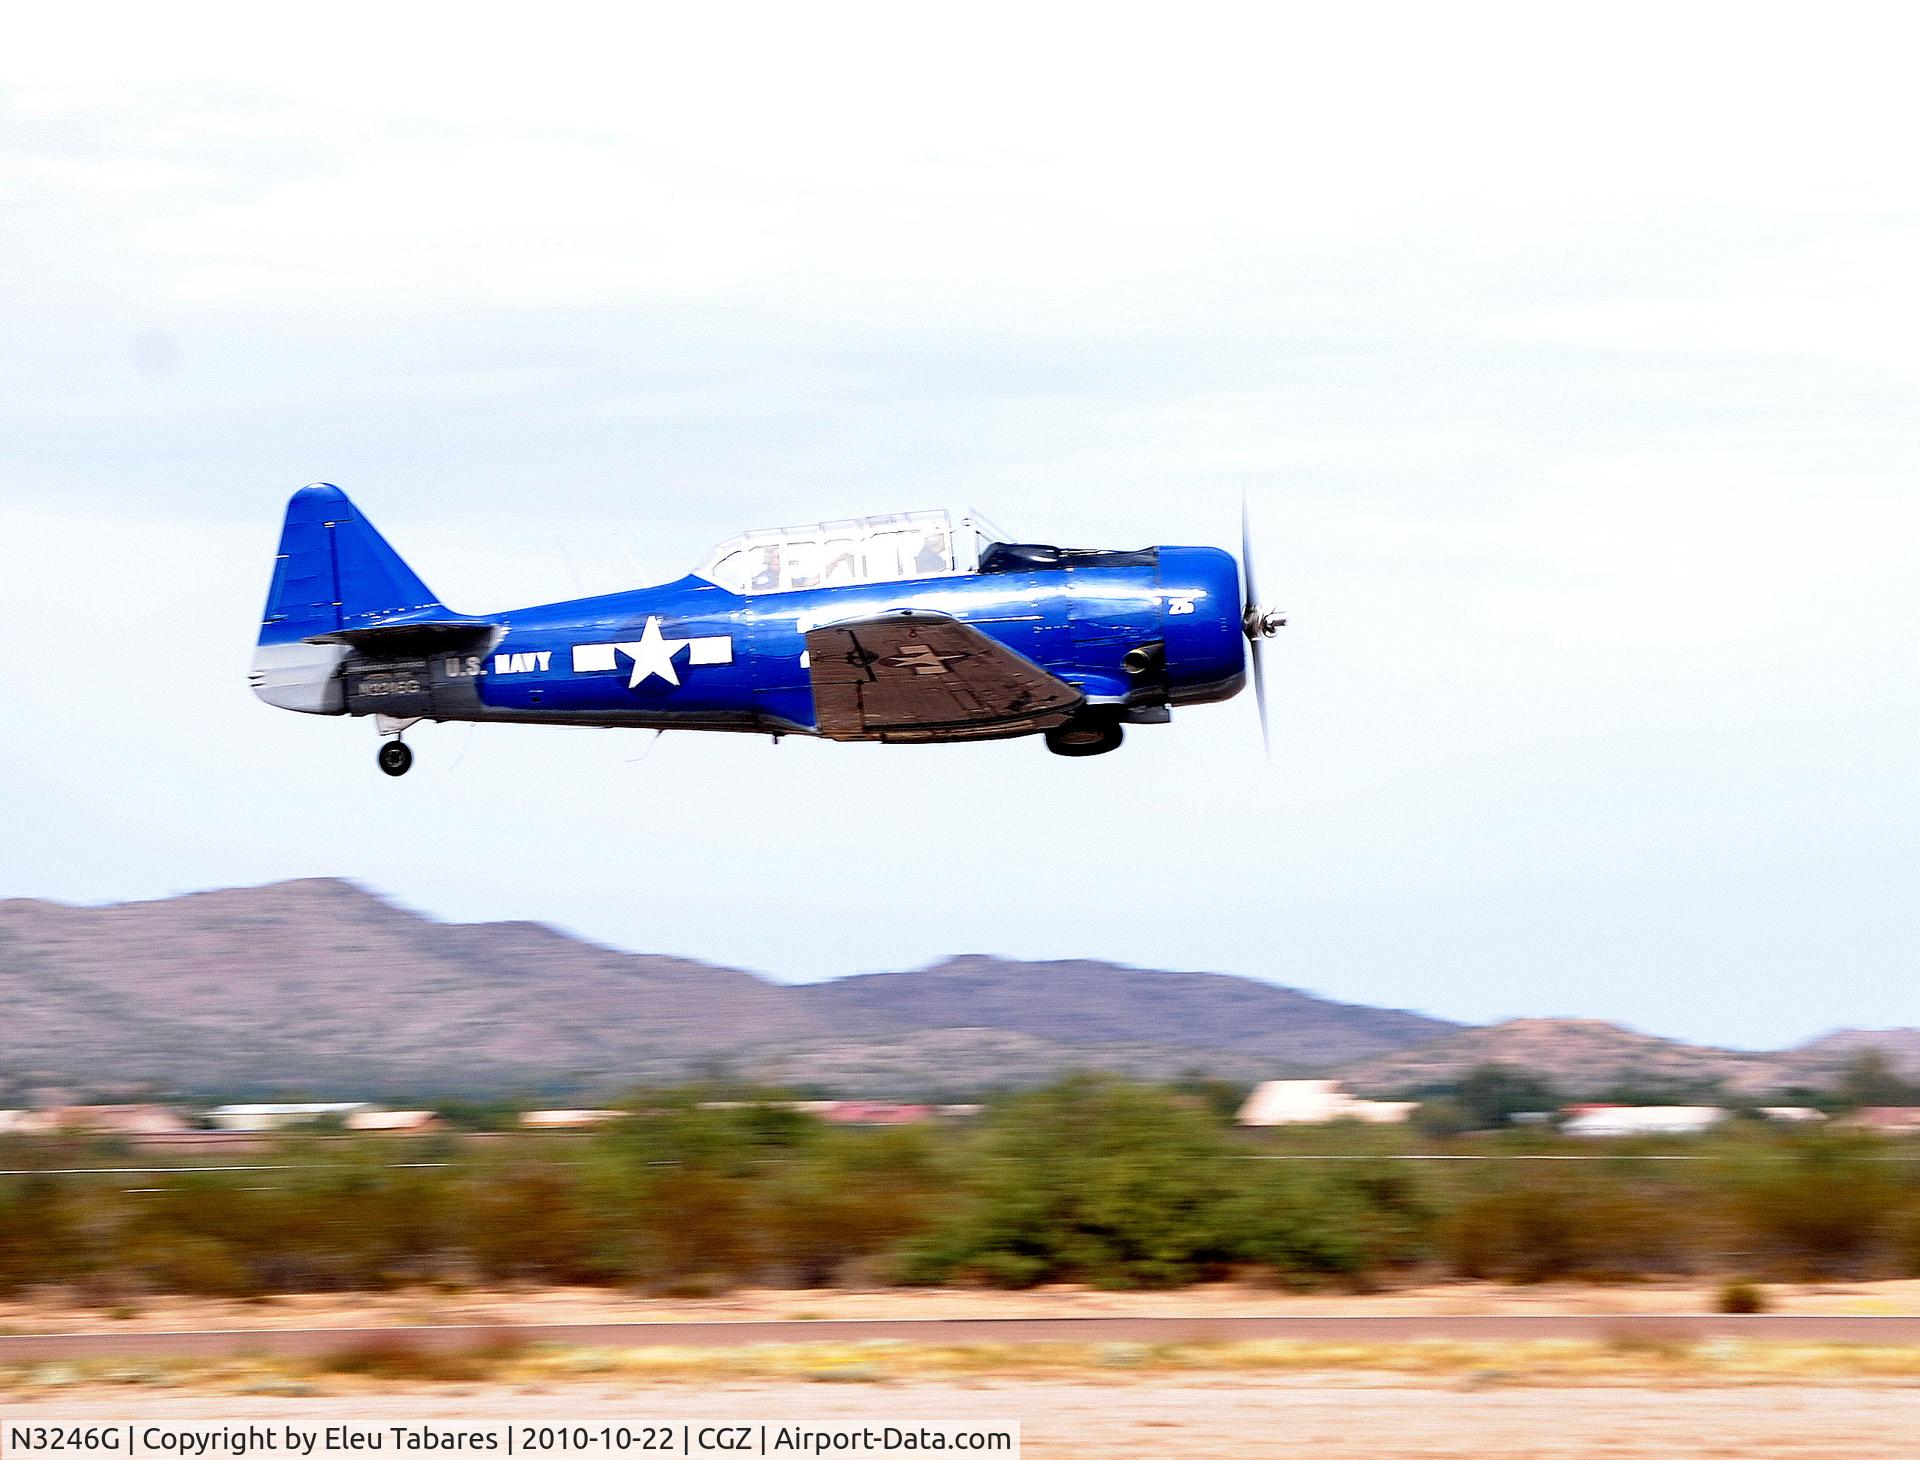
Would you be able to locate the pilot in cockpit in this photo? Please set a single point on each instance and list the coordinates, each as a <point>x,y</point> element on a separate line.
<point>932,557</point>
<point>765,574</point>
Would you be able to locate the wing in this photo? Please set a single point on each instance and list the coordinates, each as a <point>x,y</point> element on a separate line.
<point>916,675</point>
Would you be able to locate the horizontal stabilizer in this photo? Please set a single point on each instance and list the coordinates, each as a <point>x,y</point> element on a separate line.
<point>411,633</point>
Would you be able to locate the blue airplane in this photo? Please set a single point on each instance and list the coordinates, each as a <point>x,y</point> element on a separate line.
<point>913,627</point>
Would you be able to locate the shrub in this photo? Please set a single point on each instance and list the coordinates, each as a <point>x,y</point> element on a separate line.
<point>354,1222</point>
<point>1092,1179</point>
<point>413,1360</point>
<point>1537,1221</point>
<point>1295,1224</point>
<point>1490,1095</point>
<point>41,1238</point>
<point>1095,1179</point>
<point>692,1223</point>
<point>1442,1119</point>
<point>1906,1239</point>
<point>187,1263</point>
<point>524,1220</point>
<point>1741,1296</point>
<point>855,1199</point>
<point>1820,1203</point>
<point>1306,1219</point>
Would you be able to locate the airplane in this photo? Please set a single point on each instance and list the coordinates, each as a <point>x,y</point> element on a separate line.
<point>906,628</point>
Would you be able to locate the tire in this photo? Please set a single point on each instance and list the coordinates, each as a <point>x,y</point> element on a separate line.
<point>395,759</point>
<point>1084,737</point>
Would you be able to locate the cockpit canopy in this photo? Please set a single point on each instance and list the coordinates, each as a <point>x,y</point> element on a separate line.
<point>885,549</point>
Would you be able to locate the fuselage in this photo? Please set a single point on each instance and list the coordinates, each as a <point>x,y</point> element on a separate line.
<point>1139,632</point>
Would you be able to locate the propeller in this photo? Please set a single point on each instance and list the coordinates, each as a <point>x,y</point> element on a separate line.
<point>1260,621</point>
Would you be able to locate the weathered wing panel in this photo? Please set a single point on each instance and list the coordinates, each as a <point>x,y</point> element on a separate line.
<point>916,675</point>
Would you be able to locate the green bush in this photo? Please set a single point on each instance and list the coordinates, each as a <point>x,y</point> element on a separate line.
<point>1441,1120</point>
<point>1307,1219</point>
<point>1092,1179</point>
<point>1095,1180</point>
<point>355,1222</point>
<point>858,1197</point>
<point>1296,1224</point>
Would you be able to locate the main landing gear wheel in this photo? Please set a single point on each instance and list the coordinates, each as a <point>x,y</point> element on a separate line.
<point>1084,737</point>
<point>395,758</point>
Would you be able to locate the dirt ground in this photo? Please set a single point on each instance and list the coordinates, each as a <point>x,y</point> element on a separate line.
<point>1620,1406</point>
<point>55,1312</point>
<point>1328,1418</point>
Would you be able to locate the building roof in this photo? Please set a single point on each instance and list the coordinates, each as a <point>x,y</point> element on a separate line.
<point>874,1112</point>
<point>392,1120</point>
<point>1316,1102</point>
<point>1595,1120</point>
<point>1888,1117</point>
<point>562,1119</point>
<point>112,1119</point>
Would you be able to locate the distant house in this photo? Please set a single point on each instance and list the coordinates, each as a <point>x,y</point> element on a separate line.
<point>566,1119</point>
<point>101,1120</point>
<point>1793,1114</point>
<point>395,1122</point>
<point>872,1112</point>
<point>1641,1120</point>
<point>1889,1120</point>
<point>854,1112</point>
<point>280,1117</point>
<point>119,1120</point>
<point>15,1122</point>
<point>1317,1102</point>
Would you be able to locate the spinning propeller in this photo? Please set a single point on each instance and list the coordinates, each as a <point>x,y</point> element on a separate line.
<point>1260,621</point>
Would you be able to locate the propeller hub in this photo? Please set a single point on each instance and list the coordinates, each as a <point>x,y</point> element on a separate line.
<point>1262,623</point>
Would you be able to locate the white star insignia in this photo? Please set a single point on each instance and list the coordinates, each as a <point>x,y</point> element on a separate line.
<point>652,653</point>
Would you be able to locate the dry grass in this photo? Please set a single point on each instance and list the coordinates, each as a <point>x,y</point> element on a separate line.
<point>1626,1358</point>
<point>415,1359</point>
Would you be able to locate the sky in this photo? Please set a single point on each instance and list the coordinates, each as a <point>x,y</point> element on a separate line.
<point>1567,359</point>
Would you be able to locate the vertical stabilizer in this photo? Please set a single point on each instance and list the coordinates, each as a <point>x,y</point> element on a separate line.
<point>334,573</point>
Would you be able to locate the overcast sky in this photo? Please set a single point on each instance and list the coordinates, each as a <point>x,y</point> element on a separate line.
<point>1570,366</point>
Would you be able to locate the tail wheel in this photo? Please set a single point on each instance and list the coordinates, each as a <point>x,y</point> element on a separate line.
<point>395,759</point>
<point>1085,735</point>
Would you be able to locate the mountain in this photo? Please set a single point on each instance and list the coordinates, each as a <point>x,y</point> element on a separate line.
<point>954,1063</point>
<point>1819,1061</point>
<point>320,987</point>
<point>1086,1003</point>
<point>1579,1056</point>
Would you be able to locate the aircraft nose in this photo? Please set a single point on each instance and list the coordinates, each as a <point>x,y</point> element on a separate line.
<point>1206,643</point>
